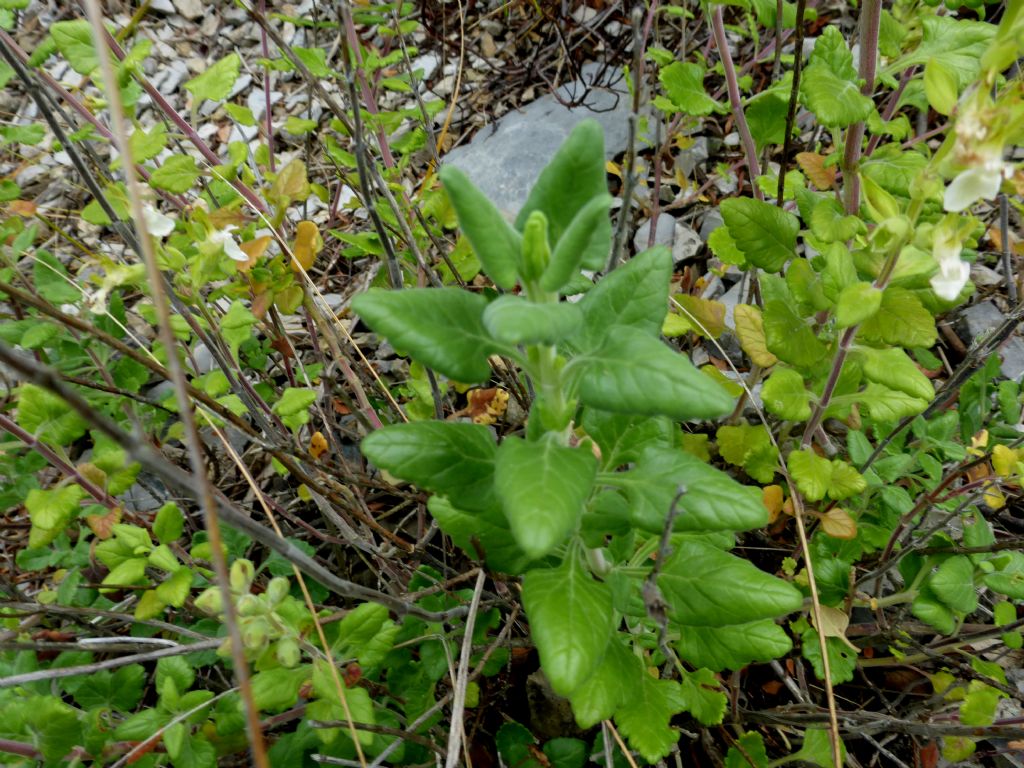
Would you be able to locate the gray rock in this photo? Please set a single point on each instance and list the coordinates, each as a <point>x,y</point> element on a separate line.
<point>147,495</point>
<point>428,63</point>
<point>985,277</point>
<point>731,298</point>
<point>687,244</point>
<point>977,320</point>
<point>1012,353</point>
<point>693,156</point>
<point>712,221</point>
<point>190,9</point>
<point>162,6</point>
<point>203,358</point>
<point>664,233</point>
<point>505,159</point>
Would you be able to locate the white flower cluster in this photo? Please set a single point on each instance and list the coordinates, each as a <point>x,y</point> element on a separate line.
<point>953,273</point>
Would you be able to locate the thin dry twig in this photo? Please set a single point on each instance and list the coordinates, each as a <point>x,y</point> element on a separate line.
<point>455,734</point>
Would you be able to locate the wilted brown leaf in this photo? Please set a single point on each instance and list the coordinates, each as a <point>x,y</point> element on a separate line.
<point>317,445</point>
<point>838,524</point>
<point>771,495</point>
<point>308,243</point>
<point>813,165</point>
<point>254,249</point>
<point>103,525</point>
<point>485,406</point>
<point>24,208</point>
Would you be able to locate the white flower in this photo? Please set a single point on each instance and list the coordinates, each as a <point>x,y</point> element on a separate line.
<point>951,279</point>
<point>157,224</point>
<point>947,243</point>
<point>221,238</point>
<point>979,182</point>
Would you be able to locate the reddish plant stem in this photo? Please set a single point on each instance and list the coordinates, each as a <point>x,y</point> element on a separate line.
<point>798,63</point>
<point>190,133</point>
<point>57,462</point>
<point>735,100</point>
<point>870,23</point>
<point>267,118</point>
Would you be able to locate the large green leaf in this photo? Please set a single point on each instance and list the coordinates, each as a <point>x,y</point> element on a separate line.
<point>734,647</point>
<point>441,327</point>
<point>886,404</point>
<point>51,511</point>
<point>494,240</point>
<point>570,621</point>
<point>1009,578</point>
<point>645,715</point>
<point>894,368</point>
<point>450,458</point>
<point>712,501</point>
<point>902,321</point>
<point>572,179</point>
<point>684,85</point>
<point>216,82</point>
<point>176,175</point>
<point>586,234</point>
<point>543,487</point>
<point>829,85</point>
<point>47,416</point>
<point>634,372</point>
<point>482,533</point>
<point>857,302</point>
<point>74,41</point>
<point>790,338</point>
<point>622,437</point>
<point>515,320</point>
<point>602,693</point>
<point>811,473</point>
<point>785,395</point>
<point>764,233</point>
<point>707,587</point>
<point>953,584</point>
<point>634,295</point>
<point>957,43</point>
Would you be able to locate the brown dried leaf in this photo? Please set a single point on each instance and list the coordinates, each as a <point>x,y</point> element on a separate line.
<point>838,524</point>
<point>317,445</point>
<point>24,208</point>
<point>254,249</point>
<point>706,317</point>
<point>308,244</point>
<point>834,624</point>
<point>486,406</point>
<point>813,165</point>
<point>103,525</point>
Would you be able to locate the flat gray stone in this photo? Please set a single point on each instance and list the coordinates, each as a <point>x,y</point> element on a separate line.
<point>712,221</point>
<point>985,277</point>
<point>190,9</point>
<point>978,320</point>
<point>504,159</point>
<point>664,233</point>
<point>687,244</point>
<point>694,155</point>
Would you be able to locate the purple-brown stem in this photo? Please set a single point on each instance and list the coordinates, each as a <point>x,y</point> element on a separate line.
<point>870,22</point>
<point>749,148</point>
<point>265,47</point>
<point>190,133</point>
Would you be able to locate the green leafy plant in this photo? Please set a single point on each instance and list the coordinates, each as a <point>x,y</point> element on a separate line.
<point>579,504</point>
